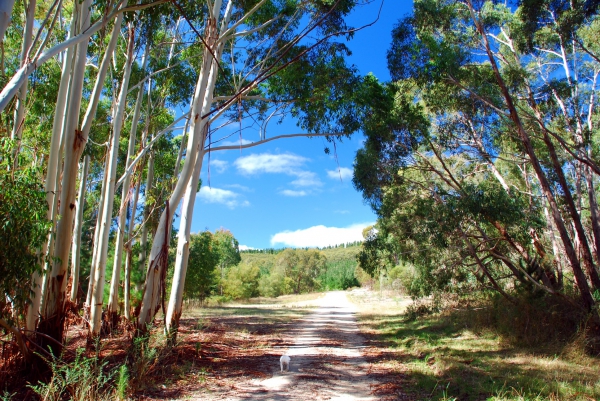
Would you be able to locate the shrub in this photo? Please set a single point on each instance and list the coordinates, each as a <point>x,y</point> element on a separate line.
<point>242,281</point>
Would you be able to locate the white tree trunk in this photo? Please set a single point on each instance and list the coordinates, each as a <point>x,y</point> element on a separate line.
<point>144,237</point>
<point>155,275</point>
<point>53,311</point>
<point>75,257</point>
<point>6,8</point>
<point>183,251</point>
<point>113,300</point>
<point>129,257</point>
<point>51,185</point>
<point>90,290</point>
<point>19,119</point>
<point>100,267</point>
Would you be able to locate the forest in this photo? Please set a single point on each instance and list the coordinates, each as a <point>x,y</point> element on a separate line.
<point>480,159</point>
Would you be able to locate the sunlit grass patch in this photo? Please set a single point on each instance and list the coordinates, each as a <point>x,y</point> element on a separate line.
<point>445,357</point>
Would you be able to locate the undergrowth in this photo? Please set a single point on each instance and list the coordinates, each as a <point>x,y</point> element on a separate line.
<point>88,376</point>
<point>83,379</point>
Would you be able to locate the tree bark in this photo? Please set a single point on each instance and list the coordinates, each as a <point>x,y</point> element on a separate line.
<point>75,257</point>
<point>118,257</point>
<point>52,179</point>
<point>100,268</point>
<point>202,101</point>
<point>52,322</point>
<point>183,252</point>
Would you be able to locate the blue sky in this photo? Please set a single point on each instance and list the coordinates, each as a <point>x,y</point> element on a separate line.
<point>289,192</point>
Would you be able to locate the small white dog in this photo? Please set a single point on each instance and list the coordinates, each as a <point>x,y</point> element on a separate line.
<point>284,361</point>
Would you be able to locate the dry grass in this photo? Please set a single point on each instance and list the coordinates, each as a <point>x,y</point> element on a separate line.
<point>445,357</point>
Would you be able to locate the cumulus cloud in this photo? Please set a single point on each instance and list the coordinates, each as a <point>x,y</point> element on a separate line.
<point>269,163</point>
<point>222,196</point>
<point>245,248</point>
<point>306,179</point>
<point>289,164</point>
<point>219,165</point>
<point>344,172</point>
<point>289,192</point>
<point>240,187</point>
<point>320,236</point>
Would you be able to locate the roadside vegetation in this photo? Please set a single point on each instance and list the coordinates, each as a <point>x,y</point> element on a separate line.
<point>270,273</point>
<point>474,349</point>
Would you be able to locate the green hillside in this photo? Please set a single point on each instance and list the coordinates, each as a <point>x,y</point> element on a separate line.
<point>337,269</point>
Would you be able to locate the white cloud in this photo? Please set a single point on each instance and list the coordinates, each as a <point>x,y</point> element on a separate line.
<point>245,248</point>
<point>344,173</point>
<point>341,211</point>
<point>288,164</point>
<point>269,163</point>
<point>306,179</point>
<point>289,192</point>
<point>222,196</point>
<point>320,236</point>
<point>219,165</point>
<point>240,187</point>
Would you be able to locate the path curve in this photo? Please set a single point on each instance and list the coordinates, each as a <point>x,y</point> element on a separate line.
<point>326,360</point>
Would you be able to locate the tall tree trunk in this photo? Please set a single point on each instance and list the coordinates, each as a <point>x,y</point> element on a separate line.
<point>19,120</point>
<point>154,285</point>
<point>76,256</point>
<point>52,178</point>
<point>144,236</point>
<point>52,322</point>
<point>183,252</point>
<point>113,300</point>
<point>99,207</point>
<point>100,267</point>
<point>128,256</point>
<point>514,116</point>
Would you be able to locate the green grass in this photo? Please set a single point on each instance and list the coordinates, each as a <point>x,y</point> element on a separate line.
<point>443,357</point>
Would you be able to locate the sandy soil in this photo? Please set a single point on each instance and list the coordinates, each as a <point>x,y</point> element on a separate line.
<point>326,360</point>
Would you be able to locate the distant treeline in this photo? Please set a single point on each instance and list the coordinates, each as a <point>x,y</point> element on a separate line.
<point>273,251</point>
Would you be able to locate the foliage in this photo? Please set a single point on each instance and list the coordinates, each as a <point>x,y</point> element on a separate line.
<point>83,379</point>
<point>201,276</point>
<point>242,281</point>
<point>330,268</point>
<point>338,276</point>
<point>23,230</point>
<point>474,154</point>
<point>227,248</point>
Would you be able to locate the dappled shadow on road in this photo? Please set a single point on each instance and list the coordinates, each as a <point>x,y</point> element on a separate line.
<point>326,360</point>
<point>221,349</point>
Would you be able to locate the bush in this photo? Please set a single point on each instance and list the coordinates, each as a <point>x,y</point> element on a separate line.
<point>81,380</point>
<point>339,276</point>
<point>23,230</point>
<point>242,281</point>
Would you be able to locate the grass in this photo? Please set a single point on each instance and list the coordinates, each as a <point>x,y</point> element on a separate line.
<point>444,357</point>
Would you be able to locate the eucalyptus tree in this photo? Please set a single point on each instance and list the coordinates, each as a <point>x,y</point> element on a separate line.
<point>258,56</point>
<point>504,135</point>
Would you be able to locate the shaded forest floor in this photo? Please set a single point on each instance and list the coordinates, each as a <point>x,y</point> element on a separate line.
<point>232,353</point>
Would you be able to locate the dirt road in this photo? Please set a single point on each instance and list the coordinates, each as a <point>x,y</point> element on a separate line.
<point>326,360</point>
